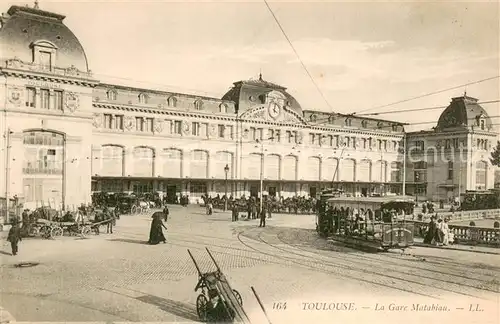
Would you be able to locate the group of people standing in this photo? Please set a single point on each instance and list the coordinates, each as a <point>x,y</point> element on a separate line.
<point>438,232</point>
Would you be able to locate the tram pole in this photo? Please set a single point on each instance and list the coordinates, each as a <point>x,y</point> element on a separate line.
<point>7,173</point>
<point>404,163</point>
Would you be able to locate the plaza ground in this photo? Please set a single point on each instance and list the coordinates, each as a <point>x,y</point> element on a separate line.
<point>118,277</point>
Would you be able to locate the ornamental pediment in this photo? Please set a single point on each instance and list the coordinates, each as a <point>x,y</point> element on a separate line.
<point>274,112</point>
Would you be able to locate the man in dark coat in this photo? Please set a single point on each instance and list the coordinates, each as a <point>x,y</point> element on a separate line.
<point>166,212</point>
<point>263,213</point>
<point>431,232</point>
<point>234,213</point>
<point>14,237</point>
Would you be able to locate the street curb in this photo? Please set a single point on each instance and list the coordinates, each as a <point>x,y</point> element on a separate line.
<point>455,249</point>
<point>5,316</point>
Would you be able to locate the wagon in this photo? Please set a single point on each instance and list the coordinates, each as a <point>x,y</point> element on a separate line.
<point>217,301</point>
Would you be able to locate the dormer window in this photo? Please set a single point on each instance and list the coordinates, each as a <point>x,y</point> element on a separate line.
<point>111,95</point>
<point>380,125</point>
<point>143,98</point>
<point>394,128</point>
<point>481,122</point>
<point>44,54</point>
<point>198,105</point>
<point>364,123</point>
<point>222,108</point>
<point>312,118</point>
<point>262,98</point>
<point>348,122</point>
<point>172,101</point>
<point>331,119</point>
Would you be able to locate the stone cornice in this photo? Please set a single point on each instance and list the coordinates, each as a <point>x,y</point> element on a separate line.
<point>48,78</point>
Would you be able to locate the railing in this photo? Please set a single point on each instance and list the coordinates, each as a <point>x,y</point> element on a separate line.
<point>71,71</point>
<point>42,171</point>
<point>467,235</point>
<point>463,215</point>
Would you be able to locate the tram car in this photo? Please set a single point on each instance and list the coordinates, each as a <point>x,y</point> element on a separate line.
<point>479,200</point>
<point>366,222</point>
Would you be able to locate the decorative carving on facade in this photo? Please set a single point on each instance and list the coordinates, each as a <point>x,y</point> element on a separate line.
<point>300,137</point>
<point>15,95</point>
<point>357,142</point>
<point>71,71</point>
<point>97,120</point>
<point>245,133</point>
<point>185,128</point>
<point>438,144</point>
<point>324,140</point>
<point>212,130</point>
<point>72,101</point>
<point>128,123</point>
<point>158,125</point>
<point>14,63</point>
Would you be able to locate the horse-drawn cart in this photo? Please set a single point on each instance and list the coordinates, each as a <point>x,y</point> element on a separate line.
<point>217,302</point>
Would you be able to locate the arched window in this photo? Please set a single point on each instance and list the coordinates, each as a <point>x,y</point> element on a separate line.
<point>223,108</point>
<point>111,161</point>
<point>143,158</point>
<point>43,164</point>
<point>172,163</point>
<point>143,98</point>
<point>289,168</point>
<point>198,166</point>
<point>396,171</point>
<point>172,101</point>
<point>330,169</point>
<point>312,118</point>
<point>251,166</point>
<point>44,54</point>
<point>331,119</point>
<point>481,175</point>
<point>272,167</point>
<point>348,122</point>
<point>198,105</point>
<point>379,171</point>
<point>364,123</point>
<point>364,171</point>
<point>111,94</point>
<point>222,159</point>
<point>348,170</point>
<point>313,168</point>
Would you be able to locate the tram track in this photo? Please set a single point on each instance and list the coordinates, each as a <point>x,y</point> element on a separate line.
<point>358,268</point>
<point>308,266</point>
<point>390,255</point>
<point>438,281</point>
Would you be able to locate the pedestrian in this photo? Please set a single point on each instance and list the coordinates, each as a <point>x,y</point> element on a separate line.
<point>14,237</point>
<point>431,230</point>
<point>234,213</point>
<point>263,213</point>
<point>446,232</point>
<point>166,212</point>
<point>156,231</point>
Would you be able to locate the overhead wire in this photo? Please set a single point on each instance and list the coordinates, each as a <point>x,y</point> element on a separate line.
<point>428,94</point>
<point>297,55</point>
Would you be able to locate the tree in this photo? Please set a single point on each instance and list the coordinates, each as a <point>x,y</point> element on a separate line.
<point>495,155</point>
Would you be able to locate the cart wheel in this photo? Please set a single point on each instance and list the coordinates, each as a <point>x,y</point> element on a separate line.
<point>56,232</point>
<point>201,307</point>
<point>238,297</point>
<point>133,210</point>
<point>85,231</point>
<point>34,231</point>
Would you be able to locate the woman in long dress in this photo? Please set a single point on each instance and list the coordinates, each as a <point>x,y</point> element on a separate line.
<point>156,232</point>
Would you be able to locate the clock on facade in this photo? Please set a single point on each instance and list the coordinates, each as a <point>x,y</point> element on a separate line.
<point>274,110</point>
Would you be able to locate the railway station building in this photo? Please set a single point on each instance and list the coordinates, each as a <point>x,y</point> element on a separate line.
<point>66,134</point>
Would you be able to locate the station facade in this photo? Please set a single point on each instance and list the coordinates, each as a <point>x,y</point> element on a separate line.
<point>67,135</point>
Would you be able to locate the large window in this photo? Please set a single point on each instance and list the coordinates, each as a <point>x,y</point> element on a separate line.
<point>289,167</point>
<point>481,170</point>
<point>44,98</point>
<point>450,170</point>
<point>197,189</point>
<point>30,97</point>
<point>199,164</point>
<point>364,171</point>
<point>313,168</point>
<point>44,154</point>
<point>272,167</point>
<point>143,158</point>
<point>348,170</point>
<point>330,169</point>
<point>172,163</point>
<point>221,160</point>
<point>111,161</point>
<point>58,100</point>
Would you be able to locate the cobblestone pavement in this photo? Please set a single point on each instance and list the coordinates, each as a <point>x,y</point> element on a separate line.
<point>118,277</point>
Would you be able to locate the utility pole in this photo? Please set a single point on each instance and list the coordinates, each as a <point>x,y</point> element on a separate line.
<point>261,172</point>
<point>7,173</point>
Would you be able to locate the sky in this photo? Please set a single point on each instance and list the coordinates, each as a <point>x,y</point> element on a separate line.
<point>361,55</point>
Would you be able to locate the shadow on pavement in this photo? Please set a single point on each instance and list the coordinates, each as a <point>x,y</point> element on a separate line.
<point>5,253</point>
<point>184,310</point>
<point>129,241</point>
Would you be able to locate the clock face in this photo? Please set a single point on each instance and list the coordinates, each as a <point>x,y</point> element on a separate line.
<point>274,110</point>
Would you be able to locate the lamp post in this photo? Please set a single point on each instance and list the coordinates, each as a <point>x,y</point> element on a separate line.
<point>261,142</point>
<point>338,162</point>
<point>7,173</point>
<point>226,170</point>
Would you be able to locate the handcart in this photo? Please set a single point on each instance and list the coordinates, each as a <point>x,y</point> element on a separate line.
<point>217,302</point>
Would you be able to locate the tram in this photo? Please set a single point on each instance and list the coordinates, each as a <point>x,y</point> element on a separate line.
<point>366,222</point>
